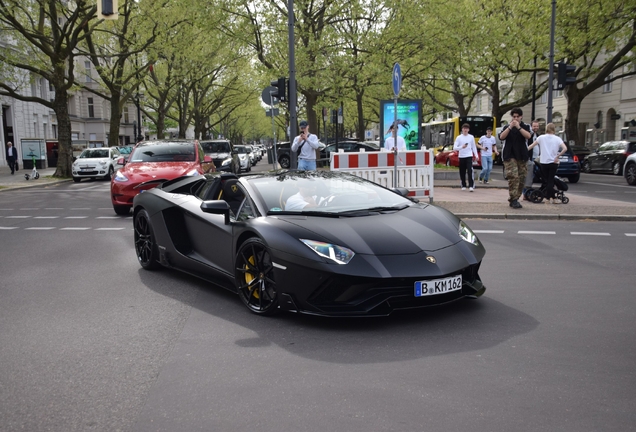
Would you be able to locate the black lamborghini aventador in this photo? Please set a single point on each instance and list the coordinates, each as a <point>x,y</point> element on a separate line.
<point>322,243</point>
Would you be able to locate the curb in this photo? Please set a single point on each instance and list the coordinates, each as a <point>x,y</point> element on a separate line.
<point>32,184</point>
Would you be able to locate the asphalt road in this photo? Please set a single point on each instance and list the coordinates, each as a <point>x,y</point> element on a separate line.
<point>90,341</point>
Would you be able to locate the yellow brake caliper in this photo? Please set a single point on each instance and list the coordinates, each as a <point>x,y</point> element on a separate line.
<point>249,277</point>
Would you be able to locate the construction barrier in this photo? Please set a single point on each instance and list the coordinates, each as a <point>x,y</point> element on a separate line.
<point>415,169</point>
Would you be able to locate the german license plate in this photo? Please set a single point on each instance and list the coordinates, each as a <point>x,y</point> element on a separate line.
<point>438,286</point>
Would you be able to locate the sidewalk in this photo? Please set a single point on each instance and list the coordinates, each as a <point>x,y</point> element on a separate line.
<point>487,201</point>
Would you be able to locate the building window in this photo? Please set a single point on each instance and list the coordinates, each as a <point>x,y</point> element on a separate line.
<point>87,66</point>
<point>92,137</point>
<point>74,136</point>
<point>557,94</point>
<point>544,97</point>
<point>54,130</point>
<point>478,103</point>
<point>126,119</point>
<point>607,87</point>
<point>91,108</point>
<point>599,120</point>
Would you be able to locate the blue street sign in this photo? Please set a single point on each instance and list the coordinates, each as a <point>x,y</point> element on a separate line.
<point>397,79</point>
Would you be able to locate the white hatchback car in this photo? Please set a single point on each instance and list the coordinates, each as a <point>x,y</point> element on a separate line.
<point>96,163</point>
<point>629,169</point>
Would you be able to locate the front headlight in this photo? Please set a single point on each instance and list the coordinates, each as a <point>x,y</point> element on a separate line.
<point>120,177</point>
<point>226,162</point>
<point>467,234</point>
<point>103,162</point>
<point>193,173</point>
<point>338,254</point>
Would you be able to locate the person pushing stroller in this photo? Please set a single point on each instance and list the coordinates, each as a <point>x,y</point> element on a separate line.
<point>552,148</point>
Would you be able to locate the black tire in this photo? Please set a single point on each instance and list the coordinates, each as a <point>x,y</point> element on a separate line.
<point>617,169</point>
<point>536,196</point>
<point>586,168</point>
<point>630,174</point>
<point>77,179</point>
<point>254,273</point>
<point>145,243</point>
<point>574,178</point>
<point>121,210</point>
<point>109,176</point>
<point>565,200</point>
<point>284,161</point>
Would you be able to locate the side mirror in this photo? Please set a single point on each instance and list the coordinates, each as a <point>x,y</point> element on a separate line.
<point>207,158</point>
<point>217,207</point>
<point>401,191</point>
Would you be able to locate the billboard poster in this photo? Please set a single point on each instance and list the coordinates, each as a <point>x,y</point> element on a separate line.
<point>409,119</point>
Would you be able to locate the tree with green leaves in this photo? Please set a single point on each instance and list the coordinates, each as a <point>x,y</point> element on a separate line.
<point>43,39</point>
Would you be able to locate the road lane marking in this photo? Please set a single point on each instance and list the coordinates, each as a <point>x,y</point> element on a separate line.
<point>26,209</point>
<point>108,217</point>
<point>45,217</point>
<point>109,229</point>
<point>7,228</point>
<point>17,217</point>
<point>630,234</point>
<point>75,228</point>
<point>83,208</point>
<point>589,233</point>
<point>54,208</point>
<point>75,217</point>
<point>536,232</point>
<point>488,231</point>
<point>40,228</point>
<point>606,184</point>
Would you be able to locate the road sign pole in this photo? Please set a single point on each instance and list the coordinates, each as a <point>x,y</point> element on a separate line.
<point>397,85</point>
<point>275,161</point>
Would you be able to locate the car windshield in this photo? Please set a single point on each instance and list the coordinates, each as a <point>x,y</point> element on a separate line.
<point>164,152</point>
<point>216,147</point>
<point>241,149</point>
<point>125,150</point>
<point>94,153</point>
<point>326,193</point>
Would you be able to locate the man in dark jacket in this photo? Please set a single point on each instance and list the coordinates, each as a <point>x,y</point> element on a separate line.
<point>515,155</point>
<point>12,156</point>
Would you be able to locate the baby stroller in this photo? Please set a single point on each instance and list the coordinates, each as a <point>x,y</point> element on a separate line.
<point>538,195</point>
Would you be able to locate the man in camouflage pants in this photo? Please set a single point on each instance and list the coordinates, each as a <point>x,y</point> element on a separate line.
<point>515,155</point>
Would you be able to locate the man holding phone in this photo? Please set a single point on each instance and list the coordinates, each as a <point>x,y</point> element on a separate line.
<point>306,144</point>
<point>465,143</point>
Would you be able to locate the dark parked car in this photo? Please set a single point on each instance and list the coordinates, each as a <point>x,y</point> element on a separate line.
<point>347,146</point>
<point>283,154</point>
<point>223,155</point>
<point>609,157</point>
<point>569,167</point>
<point>358,249</point>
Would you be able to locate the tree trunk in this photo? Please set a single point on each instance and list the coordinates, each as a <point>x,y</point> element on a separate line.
<point>115,118</point>
<point>65,155</point>
<point>574,98</point>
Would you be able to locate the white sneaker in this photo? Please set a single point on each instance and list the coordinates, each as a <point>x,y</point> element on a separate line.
<point>472,189</point>
<point>481,181</point>
<point>463,188</point>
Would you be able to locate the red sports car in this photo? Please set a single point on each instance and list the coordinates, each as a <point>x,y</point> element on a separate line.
<point>449,157</point>
<point>154,162</point>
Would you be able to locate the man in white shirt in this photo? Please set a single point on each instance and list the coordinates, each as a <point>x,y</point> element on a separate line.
<point>488,145</point>
<point>465,144</point>
<point>307,143</point>
<point>389,143</point>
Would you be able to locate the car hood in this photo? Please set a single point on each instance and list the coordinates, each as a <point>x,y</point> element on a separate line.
<point>91,160</point>
<point>140,172</point>
<point>408,231</point>
<point>221,155</point>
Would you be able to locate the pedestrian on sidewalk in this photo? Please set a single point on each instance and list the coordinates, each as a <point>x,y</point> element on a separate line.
<point>465,143</point>
<point>515,155</point>
<point>12,156</point>
<point>552,148</point>
<point>532,158</point>
<point>488,145</point>
<point>306,144</point>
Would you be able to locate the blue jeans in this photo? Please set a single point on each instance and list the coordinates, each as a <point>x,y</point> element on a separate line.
<point>307,164</point>
<point>486,167</point>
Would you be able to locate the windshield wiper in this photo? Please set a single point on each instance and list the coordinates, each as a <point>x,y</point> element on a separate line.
<point>396,207</point>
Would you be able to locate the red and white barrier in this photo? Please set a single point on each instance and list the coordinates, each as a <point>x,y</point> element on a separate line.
<point>415,169</point>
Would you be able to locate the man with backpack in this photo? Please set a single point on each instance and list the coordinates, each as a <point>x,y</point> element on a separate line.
<point>306,145</point>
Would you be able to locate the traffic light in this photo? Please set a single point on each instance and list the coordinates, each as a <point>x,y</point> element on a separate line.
<point>281,89</point>
<point>563,70</point>
<point>107,9</point>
